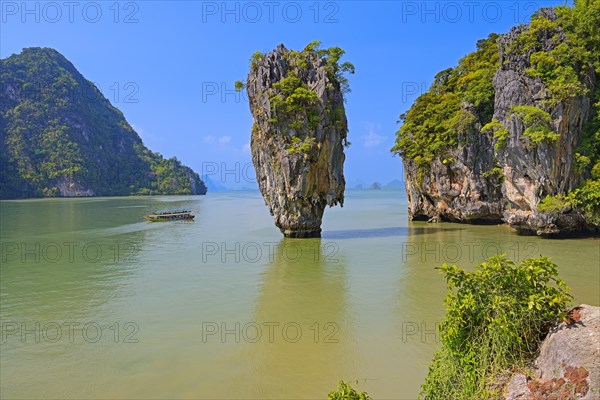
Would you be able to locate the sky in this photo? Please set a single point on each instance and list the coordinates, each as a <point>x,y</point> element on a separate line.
<point>170,66</point>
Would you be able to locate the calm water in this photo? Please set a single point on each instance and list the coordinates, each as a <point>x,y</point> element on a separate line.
<point>98,303</point>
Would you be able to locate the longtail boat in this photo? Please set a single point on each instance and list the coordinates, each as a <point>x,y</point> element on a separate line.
<point>170,215</point>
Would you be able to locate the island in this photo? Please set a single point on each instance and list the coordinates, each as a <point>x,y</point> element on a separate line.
<point>512,133</point>
<point>60,137</point>
<point>299,133</point>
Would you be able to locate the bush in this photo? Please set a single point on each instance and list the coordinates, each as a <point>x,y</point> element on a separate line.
<point>300,146</point>
<point>495,175</point>
<point>256,59</point>
<point>495,319</point>
<point>499,131</point>
<point>585,198</point>
<point>588,200</point>
<point>554,204</point>
<point>347,392</point>
<point>537,124</point>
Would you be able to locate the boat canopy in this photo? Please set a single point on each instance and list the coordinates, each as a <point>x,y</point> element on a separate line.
<point>172,211</point>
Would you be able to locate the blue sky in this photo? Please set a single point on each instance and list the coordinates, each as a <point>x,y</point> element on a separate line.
<point>171,66</point>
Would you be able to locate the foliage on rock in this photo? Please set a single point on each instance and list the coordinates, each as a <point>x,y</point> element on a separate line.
<point>534,93</point>
<point>299,133</point>
<point>496,316</point>
<point>433,123</point>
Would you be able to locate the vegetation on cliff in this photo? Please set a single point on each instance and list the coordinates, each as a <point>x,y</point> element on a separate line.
<point>560,48</point>
<point>293,102</point>
<point>60,136</point>
<point>564,71</point>
<point>433,123</point>
<point>496,318</point>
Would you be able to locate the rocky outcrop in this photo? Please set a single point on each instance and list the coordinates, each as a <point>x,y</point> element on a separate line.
<point>568,222</point>
<point>567,366</point>
<point>461,190</point>
<point>298,137</point>
<point>69,188</point>
<point>480,180</point>
<point>533,172</point>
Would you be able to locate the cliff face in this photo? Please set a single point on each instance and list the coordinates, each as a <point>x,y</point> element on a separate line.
<point>458,187</point>
<point>298,137</point>
<point>531,173</point>
<point>59,136</point>
<point>501,166</point>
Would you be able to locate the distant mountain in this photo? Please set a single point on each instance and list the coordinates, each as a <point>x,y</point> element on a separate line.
<point>213,186</point>
<point>357,184</point>
<point>59,136</point>
<point>394,185</point>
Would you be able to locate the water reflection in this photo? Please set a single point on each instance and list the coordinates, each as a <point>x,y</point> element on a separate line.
<point>304,291</point>
<point>379,292</point>
<point>419,305</point>
<point>381,232</point>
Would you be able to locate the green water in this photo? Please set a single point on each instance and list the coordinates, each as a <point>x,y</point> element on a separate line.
<point>223,307</point>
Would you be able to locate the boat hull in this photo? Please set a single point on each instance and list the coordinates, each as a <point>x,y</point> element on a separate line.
<point>164,218</point>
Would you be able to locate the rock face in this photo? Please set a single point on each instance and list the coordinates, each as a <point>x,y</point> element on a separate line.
<point>298,138</point>
<point>546,169</point>
<point>459,191</point>
<point>68,188</point>
<point>568,364</point>
<point>484,182</point>
<point>568,222</point>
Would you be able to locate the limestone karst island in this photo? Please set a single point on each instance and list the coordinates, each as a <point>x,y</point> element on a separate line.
<point>299,133</point>
<point>300,200</point>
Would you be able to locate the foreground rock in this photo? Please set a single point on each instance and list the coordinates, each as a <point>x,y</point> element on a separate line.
<point>298,136</point>
<point>568,365</point>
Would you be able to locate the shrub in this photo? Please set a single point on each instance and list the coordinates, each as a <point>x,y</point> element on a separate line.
<point>596,171</point>
<point>495,319</point>
<point>495,175</point>
<point>537,124</point>
<point>347,392</point>
<point>256,59</point>
<point>300,146</point>
<point>588,200</point>
<point>499,131</point>
<point>554,204</point>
